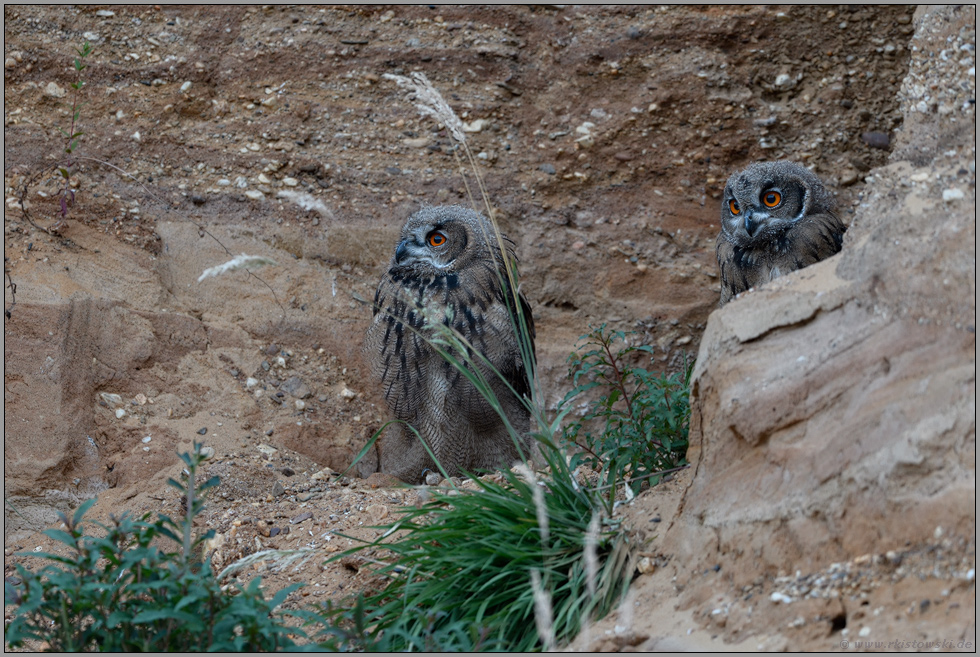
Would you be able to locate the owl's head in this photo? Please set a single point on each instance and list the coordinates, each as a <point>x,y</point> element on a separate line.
<point>766,198</point>
<point>444,239</point>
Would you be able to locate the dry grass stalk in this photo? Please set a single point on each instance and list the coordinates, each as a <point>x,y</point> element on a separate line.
<point>242,261</point>
<point>542,612</point>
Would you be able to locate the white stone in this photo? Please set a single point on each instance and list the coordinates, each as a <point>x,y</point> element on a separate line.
<point>184,88</point>
<point>290,182</point>
<point>255,195</point>
<point>268,450</point>
<point>953,194</point>
<point>52,90</point>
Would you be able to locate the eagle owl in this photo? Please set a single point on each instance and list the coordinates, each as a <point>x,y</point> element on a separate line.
<point>447,268</point>
<point>776,217</point>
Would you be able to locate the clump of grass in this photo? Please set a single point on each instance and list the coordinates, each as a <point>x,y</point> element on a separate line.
<point>635,425</point>
<point>469,559</point>
<point>121,592</point>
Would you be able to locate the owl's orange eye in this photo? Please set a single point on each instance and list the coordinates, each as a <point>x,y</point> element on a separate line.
<point>771,198</point>
<point>436,238</point>
<point>733,206</point>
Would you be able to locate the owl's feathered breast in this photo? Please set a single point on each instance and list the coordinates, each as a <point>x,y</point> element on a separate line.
<point>809,240</point>
<point>405,309</point>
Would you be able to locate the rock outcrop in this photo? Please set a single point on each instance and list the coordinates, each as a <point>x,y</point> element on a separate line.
<point>834,409</point>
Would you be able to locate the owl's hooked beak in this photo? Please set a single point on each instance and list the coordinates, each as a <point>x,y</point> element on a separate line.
<point>751,226</point>
<point>401,251</point>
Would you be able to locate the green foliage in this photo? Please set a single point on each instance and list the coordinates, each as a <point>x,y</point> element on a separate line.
<point>461,564</point>
<point>638,424</point>
<point>121,592</point>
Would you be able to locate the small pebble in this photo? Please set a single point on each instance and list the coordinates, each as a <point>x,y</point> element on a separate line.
<point>878,140</point>
<point>202,430</point>
<point>296,387</point>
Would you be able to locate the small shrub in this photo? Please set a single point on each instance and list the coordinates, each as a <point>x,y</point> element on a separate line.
<point>121,592</point>
<point>638,424</point>
<point>67,195</point>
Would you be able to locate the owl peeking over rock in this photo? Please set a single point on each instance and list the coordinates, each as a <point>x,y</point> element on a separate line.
<point>776,217</point>
<point>447,268</point>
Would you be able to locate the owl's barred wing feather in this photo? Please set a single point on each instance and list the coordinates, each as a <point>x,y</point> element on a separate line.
<point>818,238</point>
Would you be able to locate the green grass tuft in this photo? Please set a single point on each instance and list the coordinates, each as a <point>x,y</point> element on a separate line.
<point>466,557</point>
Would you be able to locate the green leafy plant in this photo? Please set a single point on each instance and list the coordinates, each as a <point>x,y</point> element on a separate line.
<point>121,592</point>
<point>635,423</point>
<point>462,566</point>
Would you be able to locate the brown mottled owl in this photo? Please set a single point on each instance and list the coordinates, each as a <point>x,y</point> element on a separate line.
<point>447,268</point>
<point>776,217</point>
